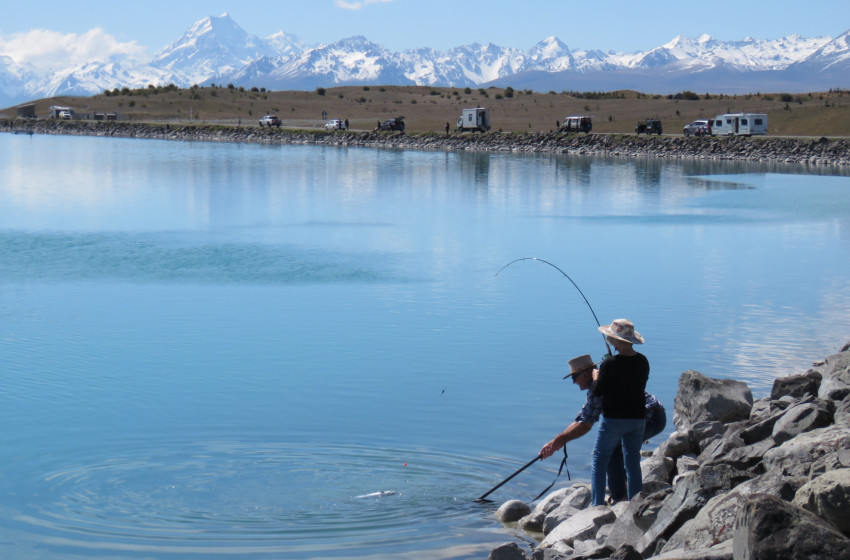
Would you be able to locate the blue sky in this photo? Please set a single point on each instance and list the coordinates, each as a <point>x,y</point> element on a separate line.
<point>145,27</point>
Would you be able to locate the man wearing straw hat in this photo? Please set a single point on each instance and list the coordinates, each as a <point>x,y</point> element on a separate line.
<point>582,371</point>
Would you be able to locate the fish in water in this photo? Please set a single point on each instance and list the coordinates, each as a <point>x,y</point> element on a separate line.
<point>381,494</point>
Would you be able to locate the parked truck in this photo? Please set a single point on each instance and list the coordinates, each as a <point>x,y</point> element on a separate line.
<point>475,119</point>
<point>739,124</point>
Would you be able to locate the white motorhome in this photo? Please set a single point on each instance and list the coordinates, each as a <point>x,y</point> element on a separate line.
<point>57,112</point>
<point>474,119</point>
<point>739,124</point>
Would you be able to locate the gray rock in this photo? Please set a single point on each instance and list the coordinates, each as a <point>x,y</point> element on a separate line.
<point>686,464</point>
<point>626,552</point>
<point>639,515</point>
<point>700,398</point>
<point>512,510</point>
<point>836,377</point>
<point>798,386</point>
<point>508,551</point>
<point>836,460</point>
<point>761,428</point>
<point>828,497</point>
<point>676,445</point>
<point>775,484</point>
<point>561,551</point>
<point>768,527</point>
<point>581,526</point>
<point>802,418</point>
<point>795,457</point>
<point>722,551</point>
<point>687,499</point>
<point>657,469</point>
<point>714,523</point>
<point>533,522</point>
<point>558,516</point>
<point>703,433</point>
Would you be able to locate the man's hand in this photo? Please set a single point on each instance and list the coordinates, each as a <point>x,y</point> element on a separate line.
<point>549,449</point>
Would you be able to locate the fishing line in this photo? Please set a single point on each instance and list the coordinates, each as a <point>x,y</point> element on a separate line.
<point>567,276</point>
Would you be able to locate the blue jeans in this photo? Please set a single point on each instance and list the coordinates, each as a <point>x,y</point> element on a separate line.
<point>656,421</point>
<point>614,431</point>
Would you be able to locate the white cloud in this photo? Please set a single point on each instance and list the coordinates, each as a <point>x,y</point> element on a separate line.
<point>358,5</point>
<point>44,50</point>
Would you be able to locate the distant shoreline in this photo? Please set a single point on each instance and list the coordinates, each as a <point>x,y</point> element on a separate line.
<point>819,153</point>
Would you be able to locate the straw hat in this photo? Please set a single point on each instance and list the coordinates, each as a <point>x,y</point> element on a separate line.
<point>622,329</point>
<point>580,365</point>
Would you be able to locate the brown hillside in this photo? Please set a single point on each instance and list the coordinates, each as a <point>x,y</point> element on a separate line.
<point>428,109</point>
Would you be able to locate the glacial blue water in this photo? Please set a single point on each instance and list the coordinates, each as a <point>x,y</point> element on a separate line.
<point>219,350</point>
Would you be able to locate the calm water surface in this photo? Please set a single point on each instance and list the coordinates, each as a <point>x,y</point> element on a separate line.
<point>216,351</point>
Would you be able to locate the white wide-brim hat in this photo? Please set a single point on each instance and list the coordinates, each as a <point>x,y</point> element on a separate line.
<point>622,329</point>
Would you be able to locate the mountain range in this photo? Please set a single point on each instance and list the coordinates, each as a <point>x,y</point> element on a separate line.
<point>217,50</point>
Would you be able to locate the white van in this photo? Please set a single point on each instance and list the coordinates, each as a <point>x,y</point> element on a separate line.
<point>739,124</point>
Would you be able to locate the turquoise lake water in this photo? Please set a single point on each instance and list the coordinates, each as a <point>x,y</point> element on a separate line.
<point>216,350</point>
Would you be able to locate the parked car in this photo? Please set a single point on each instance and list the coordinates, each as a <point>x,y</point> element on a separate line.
<point>392,124</point>
<point>699,127</point>
<point>65,115</point>
<point>649,126</point>
<point>335,124</point>
<point>576,124</point>
<point>270,120</point>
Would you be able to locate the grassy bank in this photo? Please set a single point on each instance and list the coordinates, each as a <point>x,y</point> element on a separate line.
<point>428,109</point>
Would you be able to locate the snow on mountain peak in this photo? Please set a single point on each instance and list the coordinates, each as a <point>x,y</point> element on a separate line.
<point>216,48</point>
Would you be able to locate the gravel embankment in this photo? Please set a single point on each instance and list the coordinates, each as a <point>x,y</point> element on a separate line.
<point>803,151</point>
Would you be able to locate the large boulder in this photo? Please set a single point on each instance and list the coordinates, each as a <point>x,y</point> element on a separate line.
<point>767,528</point>
<point>533,522</point>
<point>702,398</point>
<point>687,499</point>
<point>836,377</point>
<point>828,497</point>
<point>803,417</point>
<point>639,515</point>
<point>512,510</point>
<point>797,386</point>
<point>795,457</point>
<point>508,551</point>
<point>581,526</point>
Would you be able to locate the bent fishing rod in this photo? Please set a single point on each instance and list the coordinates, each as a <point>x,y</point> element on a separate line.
<point>567,276</point>
<point>539,457</point>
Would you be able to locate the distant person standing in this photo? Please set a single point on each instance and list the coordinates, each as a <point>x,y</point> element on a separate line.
<point>621,384</point>
<point>346,124</point>
<point>447,128</point>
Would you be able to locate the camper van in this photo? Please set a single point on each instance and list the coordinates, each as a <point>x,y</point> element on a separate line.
<point>56,112</point>
<point>739,124</point>
<point>474,119</point>
<point>577,123</point>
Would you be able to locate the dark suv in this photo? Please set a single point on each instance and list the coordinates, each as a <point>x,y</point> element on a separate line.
<point>650,126</point>
<point>392,124</point>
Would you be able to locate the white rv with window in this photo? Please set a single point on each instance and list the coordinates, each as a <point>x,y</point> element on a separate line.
<point>57,112</point>
<point>474,119</point>
<point>739,124</point>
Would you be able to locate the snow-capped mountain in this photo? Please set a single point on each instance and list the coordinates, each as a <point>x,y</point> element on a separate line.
<point>218,50</point>
<point>214,45</point>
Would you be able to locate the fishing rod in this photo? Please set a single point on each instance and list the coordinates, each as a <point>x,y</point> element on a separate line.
<point>496,487</point>
<point>567,276</point>
<point>540,495</point>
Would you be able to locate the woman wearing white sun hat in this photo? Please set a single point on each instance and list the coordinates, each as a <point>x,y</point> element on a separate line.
<point>620,383</point>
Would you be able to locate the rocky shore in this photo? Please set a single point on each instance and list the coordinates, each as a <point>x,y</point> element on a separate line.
<point>737,480</point>
<point>800,151</point>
